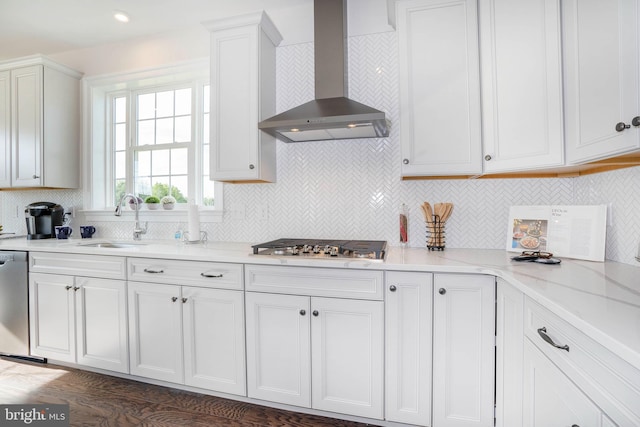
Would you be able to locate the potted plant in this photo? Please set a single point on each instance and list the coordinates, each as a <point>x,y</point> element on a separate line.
<point>132,204</point>
<point>152,202</point>
<point>168,202</point>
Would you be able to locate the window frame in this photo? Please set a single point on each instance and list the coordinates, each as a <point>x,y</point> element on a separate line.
<point>98,163</point>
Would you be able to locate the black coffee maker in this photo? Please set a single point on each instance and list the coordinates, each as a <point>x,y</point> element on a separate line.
<point>42,219</point>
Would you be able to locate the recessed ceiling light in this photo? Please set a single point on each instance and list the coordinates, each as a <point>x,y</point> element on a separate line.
<point>120,16</point>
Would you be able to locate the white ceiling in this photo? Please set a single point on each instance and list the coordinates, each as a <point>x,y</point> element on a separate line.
<point>47,27</point>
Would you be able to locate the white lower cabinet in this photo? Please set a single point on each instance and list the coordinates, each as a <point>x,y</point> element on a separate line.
<point>315,352</point>
<point>408,332</point>
<point>551,399</point>
<point>551,374</point>
<point>79,320</point>
<point>188,335</point>
<point>509,347</point>
<point>463,350</point>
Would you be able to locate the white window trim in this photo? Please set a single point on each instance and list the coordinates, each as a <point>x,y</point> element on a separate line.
<point>95,166</point>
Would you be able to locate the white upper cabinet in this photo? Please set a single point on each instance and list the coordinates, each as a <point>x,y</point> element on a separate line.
<point>5,128</point>
<point>521,71</point>
<point>243,92</point>
<point>40,116</point>
<point>601,80</point>
<point>439,87</point>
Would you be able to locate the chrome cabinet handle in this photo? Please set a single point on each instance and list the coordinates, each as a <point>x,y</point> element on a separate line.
<point>174,299</point>
<point>184,300</point>
<point>153,270</point>
<point>405,161</point>
<point>543,333</point>
<point>252,167</point>
<point>392,288</point>
<point>487,157</point>
<point>75,288</point>
<point>68,287</point>
<point>442,291</point>
<point>636,121</point>
<point>211,275</point>
<point>315,313</point>
<point>303,312</point>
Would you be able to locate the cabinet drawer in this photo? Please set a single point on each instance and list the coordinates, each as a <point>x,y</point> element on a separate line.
<point>327,282</point>
<point>195,273</point>
<point>105,267</point>
<point>609,381</point>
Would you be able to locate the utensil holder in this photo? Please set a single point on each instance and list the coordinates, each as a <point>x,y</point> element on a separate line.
<point>435,234</point>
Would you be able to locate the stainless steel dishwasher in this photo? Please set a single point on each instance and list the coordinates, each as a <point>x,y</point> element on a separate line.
<point>14,305</point>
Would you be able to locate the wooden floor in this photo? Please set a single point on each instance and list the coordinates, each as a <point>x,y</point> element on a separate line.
<point>101,400</point>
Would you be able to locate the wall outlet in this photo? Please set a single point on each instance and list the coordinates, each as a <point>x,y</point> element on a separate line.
<point>237,211</point>
<point>262,212</point>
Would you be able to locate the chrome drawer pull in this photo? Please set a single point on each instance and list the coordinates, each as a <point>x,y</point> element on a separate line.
<point>543,333</point>
<point>153,270</point>
<point>213,275</point>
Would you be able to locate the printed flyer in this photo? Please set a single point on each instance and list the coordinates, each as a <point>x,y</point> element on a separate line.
<point>565,231</point>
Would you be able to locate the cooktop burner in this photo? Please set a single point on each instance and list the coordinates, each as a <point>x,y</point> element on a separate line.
<point>313,248</point>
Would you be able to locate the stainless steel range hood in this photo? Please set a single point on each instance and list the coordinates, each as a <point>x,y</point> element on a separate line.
<point>331,115</point>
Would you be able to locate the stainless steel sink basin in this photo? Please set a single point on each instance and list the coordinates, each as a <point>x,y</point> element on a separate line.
<point>113,245</point>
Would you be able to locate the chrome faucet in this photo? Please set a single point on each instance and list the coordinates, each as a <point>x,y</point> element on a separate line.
<point>138,230</point>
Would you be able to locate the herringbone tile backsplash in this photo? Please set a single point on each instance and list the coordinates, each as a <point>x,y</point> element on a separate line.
<point>352,189</point>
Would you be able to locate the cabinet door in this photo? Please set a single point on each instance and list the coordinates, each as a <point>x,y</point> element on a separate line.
<point>347,359</point>
<point>439,87</point>
<point>601,54</point>
<point>155,331</point>
<point>509,348</point>
<point>213,322</point>
<point>463,350</point>
<point>408,313</point>
<point>278,348</point>
<point>5,128</point>
<point>242,94</point>
<point>101,323</point>
<point>521,73</point>
<point>51,315</point>
<point>551,399</point>
<point>26,125</point>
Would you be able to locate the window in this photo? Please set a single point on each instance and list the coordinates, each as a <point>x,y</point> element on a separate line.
<point>149,135</point>
<point>155,143</point>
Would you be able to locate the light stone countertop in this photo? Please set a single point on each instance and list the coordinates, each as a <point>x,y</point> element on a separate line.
<point>600,299</point>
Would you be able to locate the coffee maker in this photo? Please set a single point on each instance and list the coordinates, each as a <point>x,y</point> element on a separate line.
<point>42,219</point>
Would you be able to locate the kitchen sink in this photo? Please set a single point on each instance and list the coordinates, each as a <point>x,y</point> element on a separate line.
<point>113,245</point>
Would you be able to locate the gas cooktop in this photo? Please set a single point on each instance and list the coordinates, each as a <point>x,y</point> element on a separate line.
<point>374,250</point>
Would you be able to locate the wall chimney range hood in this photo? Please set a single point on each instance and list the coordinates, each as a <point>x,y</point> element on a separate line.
<point>331,115</point>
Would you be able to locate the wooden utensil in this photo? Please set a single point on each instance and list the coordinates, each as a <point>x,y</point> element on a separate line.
<point>428,212</point>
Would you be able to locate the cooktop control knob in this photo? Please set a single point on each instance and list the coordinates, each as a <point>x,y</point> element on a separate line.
<point>316,249</point>
<point>306,249</point>
<point>333,251</point>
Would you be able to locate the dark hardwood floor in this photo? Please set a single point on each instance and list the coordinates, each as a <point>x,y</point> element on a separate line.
<point>101,400</point>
